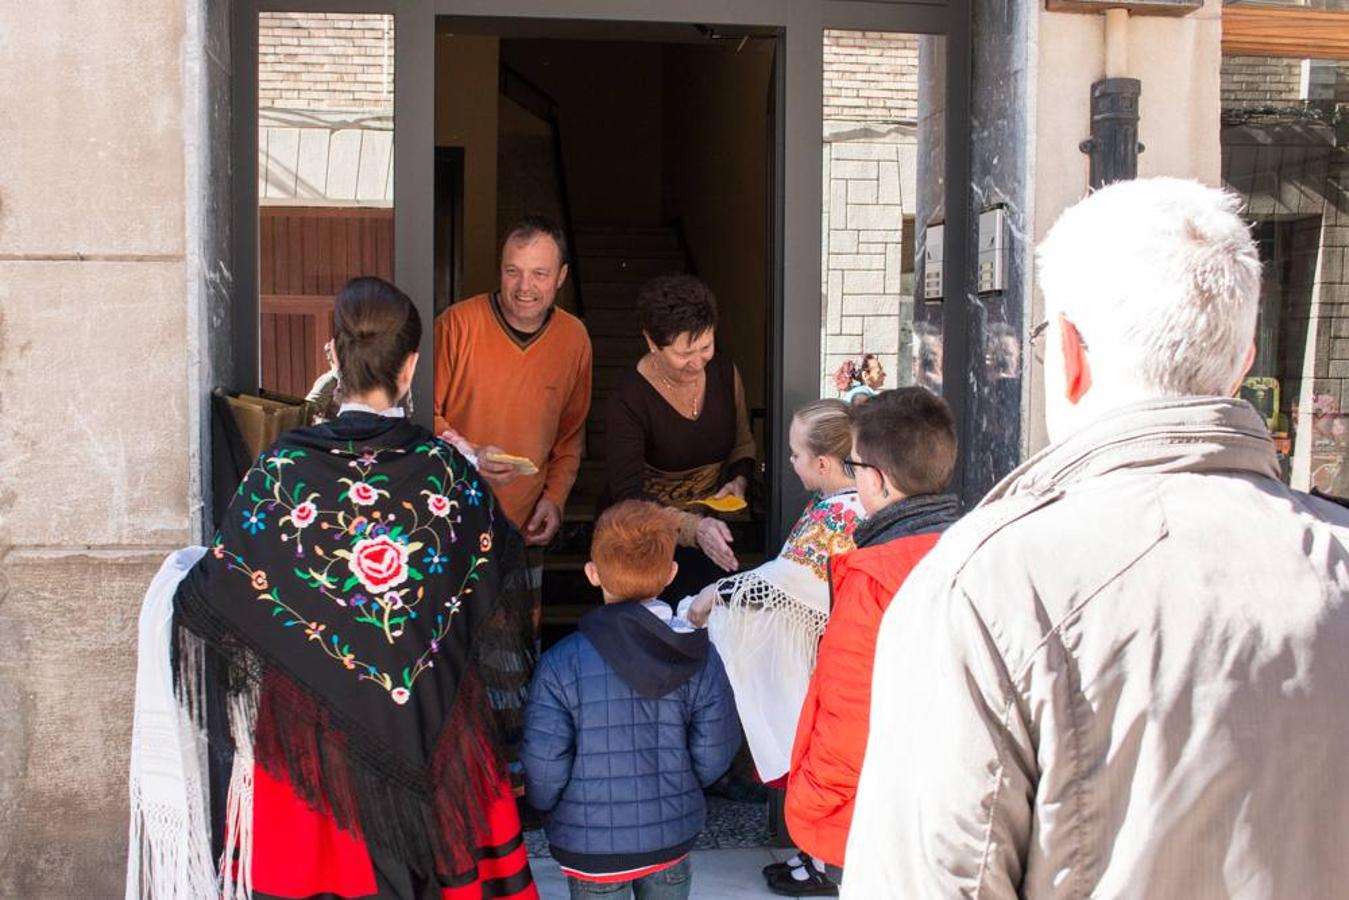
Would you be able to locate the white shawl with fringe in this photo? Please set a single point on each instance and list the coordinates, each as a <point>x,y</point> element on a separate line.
<point>768,625</point>
<point>169,853</point>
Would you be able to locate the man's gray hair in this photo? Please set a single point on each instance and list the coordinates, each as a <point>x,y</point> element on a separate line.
<point>1162,280</point>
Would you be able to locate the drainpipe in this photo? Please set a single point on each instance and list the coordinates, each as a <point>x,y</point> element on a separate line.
<point>1113,145</point>
<point>1116,43</point>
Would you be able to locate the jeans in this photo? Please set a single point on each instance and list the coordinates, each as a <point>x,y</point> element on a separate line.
<point>668,884</point>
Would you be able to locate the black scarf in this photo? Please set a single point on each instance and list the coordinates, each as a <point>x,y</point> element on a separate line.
<point>912,515</point>
<point>363,596</point>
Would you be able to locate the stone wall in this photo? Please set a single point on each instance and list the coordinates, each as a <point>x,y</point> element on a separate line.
<point>98,448</point>
<point>870,164</point>
<point>868,294</point>
<point>325,61</point>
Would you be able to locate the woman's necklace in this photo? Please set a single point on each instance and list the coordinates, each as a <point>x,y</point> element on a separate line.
<point>675,390</point>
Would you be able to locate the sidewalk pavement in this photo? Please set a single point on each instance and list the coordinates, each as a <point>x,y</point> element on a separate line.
<point>717,874</point>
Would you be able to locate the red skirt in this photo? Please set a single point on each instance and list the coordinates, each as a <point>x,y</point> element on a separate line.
<point>300,853</point>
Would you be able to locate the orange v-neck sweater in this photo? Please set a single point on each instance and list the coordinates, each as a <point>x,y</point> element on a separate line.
<point>529,400</point>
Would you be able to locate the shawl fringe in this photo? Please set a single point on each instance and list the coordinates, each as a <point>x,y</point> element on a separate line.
<point>740,621</point>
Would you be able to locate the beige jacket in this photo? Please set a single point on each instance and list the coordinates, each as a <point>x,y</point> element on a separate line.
<point>1126,674</point>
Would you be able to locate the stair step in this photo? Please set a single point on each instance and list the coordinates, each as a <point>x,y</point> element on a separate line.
<point>609,350</point>
<point>629,269</point>
<point>605,241</point>
<point>609,294</point>
<point>619,323</point>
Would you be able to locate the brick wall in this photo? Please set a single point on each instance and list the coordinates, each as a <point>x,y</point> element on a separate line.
<point>1260,81</point>
<point>870,76</point>
<point>326,61</point>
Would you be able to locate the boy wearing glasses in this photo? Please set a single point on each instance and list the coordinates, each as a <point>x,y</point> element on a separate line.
<point>904,451</point>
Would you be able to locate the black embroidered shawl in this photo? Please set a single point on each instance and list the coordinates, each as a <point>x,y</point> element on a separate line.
<point>367,594</point>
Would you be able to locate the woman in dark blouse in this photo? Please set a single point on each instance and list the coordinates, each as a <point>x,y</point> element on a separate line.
<point>678,429</point>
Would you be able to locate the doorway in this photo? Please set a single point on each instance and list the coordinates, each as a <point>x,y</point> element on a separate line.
<point>653,148</point>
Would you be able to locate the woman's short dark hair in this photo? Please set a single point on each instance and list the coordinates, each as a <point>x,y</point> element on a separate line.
<point>671,305</point>
<point>375,327</point>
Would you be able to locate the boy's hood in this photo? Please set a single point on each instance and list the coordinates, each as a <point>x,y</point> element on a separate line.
<point>651,652</point>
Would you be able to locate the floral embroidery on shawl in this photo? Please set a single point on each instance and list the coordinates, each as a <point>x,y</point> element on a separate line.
<point>363,556</point>
<point>824,529</point>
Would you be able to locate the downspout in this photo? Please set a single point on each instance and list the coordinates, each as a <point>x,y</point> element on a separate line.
<point>1113,145</point>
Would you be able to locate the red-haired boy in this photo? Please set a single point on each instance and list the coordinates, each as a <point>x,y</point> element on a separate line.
<point>628,720</point>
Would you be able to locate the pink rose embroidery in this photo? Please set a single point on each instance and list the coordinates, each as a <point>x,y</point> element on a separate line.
<point>304,514</point>
<point>400,695</point>
<point>380,563</point>
<point>363,494</point>
<point>439,504</point>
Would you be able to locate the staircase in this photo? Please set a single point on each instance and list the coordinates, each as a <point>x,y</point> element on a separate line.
<point>612,262</point>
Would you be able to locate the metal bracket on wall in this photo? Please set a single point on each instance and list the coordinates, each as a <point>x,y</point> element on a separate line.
<point>1113,145</point>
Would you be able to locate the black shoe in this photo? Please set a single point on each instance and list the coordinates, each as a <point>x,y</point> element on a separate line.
<point>815,884</point>
<point>785,867</point>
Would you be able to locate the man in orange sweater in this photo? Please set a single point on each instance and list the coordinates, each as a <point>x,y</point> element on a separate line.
<point>513,376</point>
<point>903,454</point>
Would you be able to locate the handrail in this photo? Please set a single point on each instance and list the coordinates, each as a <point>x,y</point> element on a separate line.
<point>535,100</point>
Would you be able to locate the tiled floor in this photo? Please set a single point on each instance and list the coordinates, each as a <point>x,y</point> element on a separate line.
<point>717,874</point>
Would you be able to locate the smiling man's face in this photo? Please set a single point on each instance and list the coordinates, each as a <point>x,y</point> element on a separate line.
<point>532,272</point>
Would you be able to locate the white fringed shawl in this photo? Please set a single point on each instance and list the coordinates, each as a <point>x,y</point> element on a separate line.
<point>768,627</point>
<point>169,853</point>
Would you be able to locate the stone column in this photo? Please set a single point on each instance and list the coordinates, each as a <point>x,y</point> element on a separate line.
<point>97,443</point>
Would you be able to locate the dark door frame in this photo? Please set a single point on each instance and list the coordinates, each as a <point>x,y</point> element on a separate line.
<point>795,317</point>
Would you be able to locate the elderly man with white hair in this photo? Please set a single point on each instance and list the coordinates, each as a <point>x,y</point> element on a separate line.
<point>1126,673</point>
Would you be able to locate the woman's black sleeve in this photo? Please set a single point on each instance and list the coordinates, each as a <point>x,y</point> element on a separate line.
<point>625,448</point>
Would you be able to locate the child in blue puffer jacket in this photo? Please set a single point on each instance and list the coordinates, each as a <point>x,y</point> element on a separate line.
<point>628,720</point>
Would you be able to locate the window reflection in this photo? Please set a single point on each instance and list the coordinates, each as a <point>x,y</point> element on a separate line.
<point>1283,150</point>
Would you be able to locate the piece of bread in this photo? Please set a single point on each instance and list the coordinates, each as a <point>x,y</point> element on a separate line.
<point>524,464</point>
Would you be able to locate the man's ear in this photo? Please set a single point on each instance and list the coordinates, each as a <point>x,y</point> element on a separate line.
<point>592,574</point>
<point>1076,366</point>
<point>1245,370</point>
<point>562,275</point>
<point>674,570</point>
<point>889,486</point>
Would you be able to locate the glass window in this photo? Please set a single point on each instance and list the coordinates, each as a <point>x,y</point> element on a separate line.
<point>1283,150</point>
<point>883,147</point>
<point>325,179</point>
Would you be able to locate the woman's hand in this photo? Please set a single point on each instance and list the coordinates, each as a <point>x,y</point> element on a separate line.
<point>714,537</point>
<point>736,487</point>
<point>701,608</point>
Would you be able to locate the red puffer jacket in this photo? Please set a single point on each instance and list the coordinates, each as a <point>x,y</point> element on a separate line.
<point>831,736</point>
